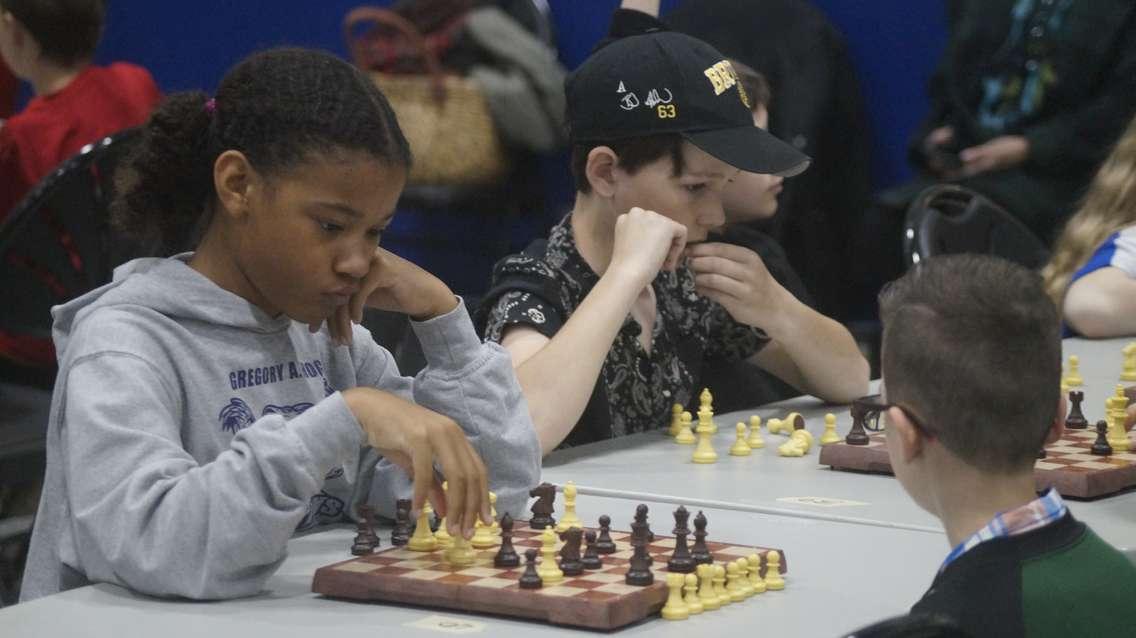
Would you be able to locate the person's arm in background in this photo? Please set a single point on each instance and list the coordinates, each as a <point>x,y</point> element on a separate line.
<point>1102,304</point>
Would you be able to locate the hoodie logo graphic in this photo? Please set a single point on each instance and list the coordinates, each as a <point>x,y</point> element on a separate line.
<point>237,415</point>
<point>322,509</point>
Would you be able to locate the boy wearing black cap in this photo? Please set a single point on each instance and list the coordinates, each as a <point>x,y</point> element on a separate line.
<point>609,319</point>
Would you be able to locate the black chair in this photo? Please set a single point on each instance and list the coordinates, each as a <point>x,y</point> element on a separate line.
<point>57,243</point>
<point>912,626</point>
<point>950,219</point>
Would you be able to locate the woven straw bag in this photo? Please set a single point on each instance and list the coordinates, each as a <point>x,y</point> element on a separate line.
<point>444,116</point>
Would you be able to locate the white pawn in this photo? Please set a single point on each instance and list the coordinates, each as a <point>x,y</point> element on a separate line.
<point>707,593</point>
<point>773,580</point>
<point>693,602</point>
<point>733,583</point>
<point>719,581</point>
<point>755,579</point>
<point>740,447</point>
<point>1128,372</point>
<point>755,441</point>
<point>676,608</point>
<point>495,527</point>
<point>830,435</point>
<point>743,578</point>
<point>445,540</point>
<point>1073,378</point>
<point>423,540</point>
<point>775,426</point>
<point>548,571</point>
<point>570,519</point>
<point>685,435</point>
<point>676,419</point>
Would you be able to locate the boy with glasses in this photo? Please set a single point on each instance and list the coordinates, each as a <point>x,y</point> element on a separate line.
<point>971,376</point>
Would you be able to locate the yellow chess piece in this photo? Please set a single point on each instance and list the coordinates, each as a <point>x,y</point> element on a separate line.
<point>483,536</point>
<point>1073,378</point>
<point>460,553</point>
<point>548,571</point>
<point>676,419</point>
<point>743,577</point>
<point>740,447</point>
<point>776,426</point>
<point>706,592</point>
<point>733,584</point>
<point>755,441</point>
<point>495,527</point>
<point>719,581</point>
<point>830,435</point>
<point>422,540</point>
<point>1116,410</point>
<point>804,439</point>
<point>571,519</point>
<point>704,452</point>
<point>773,580</point>
<point>706,410</point>
<point>693,602</point>
<point>1128,372</point>
<point>445,540</point>
<point>685,435</point>
<point>676,608</point>
<point>755,579</point>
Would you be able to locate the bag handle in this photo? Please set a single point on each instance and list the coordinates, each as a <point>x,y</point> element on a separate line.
<point>386,17</point>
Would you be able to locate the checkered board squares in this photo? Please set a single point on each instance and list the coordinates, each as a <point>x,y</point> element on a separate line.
<point>1067,466</point>
<point>597,599</point>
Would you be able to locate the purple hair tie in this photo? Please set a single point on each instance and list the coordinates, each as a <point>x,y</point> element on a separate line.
<point>211,105</point>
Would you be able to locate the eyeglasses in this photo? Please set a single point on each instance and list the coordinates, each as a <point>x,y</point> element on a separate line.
<point>867,410</point>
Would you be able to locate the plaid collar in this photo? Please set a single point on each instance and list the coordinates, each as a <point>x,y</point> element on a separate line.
<point>1038,513</point>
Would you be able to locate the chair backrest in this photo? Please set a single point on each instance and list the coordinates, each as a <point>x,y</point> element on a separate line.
<point>57,243</point>
<point>948,219</point>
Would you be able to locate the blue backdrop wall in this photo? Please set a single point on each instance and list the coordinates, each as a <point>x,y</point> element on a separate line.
<point>894,44</point>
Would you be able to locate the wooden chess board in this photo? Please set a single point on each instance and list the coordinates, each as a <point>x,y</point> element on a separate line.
<point>1067,466</point>
<point>597,599</point>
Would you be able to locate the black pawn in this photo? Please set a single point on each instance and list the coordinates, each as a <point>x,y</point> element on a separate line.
<point>365,540</point>
<point>591,559</point>
<point>857,435</point>
<point>400,535</point>
<point>1076,419</point>
<point>570,562</point>
<point>506,556</point>
<point>604,544</point>
<point>1101,446</point>
<point>699,552</point>
<point>530,579</point>
<point>681,561</point>
<point>639,570</point>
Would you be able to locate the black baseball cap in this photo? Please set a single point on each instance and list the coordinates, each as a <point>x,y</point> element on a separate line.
<point>667,82</point>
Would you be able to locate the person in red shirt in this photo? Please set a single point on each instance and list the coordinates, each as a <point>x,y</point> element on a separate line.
<point>49,44</point>
<point>9,86</point>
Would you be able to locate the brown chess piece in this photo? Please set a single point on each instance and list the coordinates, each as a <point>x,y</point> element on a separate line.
<point>365,539</point>
<point>681,560</point>
<point>542,509</point>
<point>639,569</point>
<point>648,535</point>
<point>400,534</point>
<point>604,544</point>
<point>1076,419</point>
<point>1041,454</point>
<point>570,562</point>
<point>1101,446</point>
<point>699,552</point>
<point>530,579</point>
<point>506,555</point>
<point>857,435</point>
<point>591,558</point>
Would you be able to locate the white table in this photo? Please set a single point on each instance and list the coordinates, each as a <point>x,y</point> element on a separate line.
<point>840,577</point>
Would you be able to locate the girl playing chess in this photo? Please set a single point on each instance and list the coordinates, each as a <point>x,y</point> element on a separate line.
<point>210,404</point>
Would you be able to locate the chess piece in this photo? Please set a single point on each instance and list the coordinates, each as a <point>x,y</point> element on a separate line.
<point>365,540</point>
<point>545,495</point>
<point>690,587</point>
<point>1116,413</point>
<point>1101,446</point>
<point>639,568</point>
<point>676,419</point>
<point>719,580</point>
<point>1041,454</point>
<point>675,608</point>
<point>681,560</point>
<point>570,519</point>
<point>1076,419</point>
<point>699,552</point>
<point>704,452</point>
<point>483,537</point>
<point>773,580</point>
<point>755,579</point>
<point>794,422</point>
<point>591,558</point>
<point>706,405</point>
<point>755,441</point>
<point>775,426</point>
<point>506,556</point>
<point>685,436</point>
<point>790,448</point>
<point>706,592</point>
<point>495,527</point>
<point>400,534</point>
<point>733,586</point>
<point>857,435</point>
<point>743,577</point>
<point>442,535</point>
<point>530,579</point>
<point>1073,378</point>
<point>460,552</point>
<point>570,562</point>
<point>644,528</point>
<point>548,571</point>
<point>740,447</point>
<point>604,544</point>
<point>830,435</point>
<point>423,540</point>
<point>1128,372</point>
